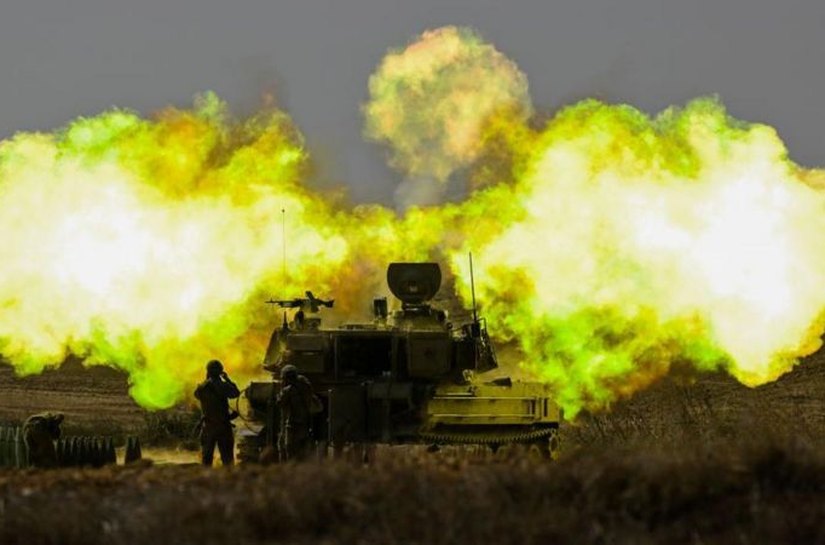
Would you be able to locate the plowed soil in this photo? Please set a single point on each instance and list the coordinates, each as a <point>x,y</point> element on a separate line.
<point>715,493</point>
<point>95,397</point>
<point>690,460</point>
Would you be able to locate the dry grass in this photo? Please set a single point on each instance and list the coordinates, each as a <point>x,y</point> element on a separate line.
<point>688,461</point>
<point>715,493</point>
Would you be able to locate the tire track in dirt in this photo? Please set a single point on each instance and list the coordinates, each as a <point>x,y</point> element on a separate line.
<point>89,397</point>
<point>99,397</point>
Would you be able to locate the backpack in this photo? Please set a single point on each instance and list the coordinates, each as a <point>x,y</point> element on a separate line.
<point>315,405</point>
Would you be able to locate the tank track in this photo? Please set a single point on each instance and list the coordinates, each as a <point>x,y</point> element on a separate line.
<point>487,437</point>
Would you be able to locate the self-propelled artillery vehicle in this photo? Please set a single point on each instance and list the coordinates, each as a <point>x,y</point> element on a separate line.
<point>408,376</point>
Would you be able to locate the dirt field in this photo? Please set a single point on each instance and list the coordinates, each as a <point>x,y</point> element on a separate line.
<point>682,410</point>
<point>89,397</point>
<point>715,405</point>
<point>712,494</point>
<point>691,460</point>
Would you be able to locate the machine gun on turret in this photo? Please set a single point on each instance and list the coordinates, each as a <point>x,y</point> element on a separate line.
<point>313,303</point>
<point>408,376</point>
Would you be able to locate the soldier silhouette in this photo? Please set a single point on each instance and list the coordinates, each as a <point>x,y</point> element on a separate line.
<point>297,404</point>
<point>216,427</point>
<point>40,431</point>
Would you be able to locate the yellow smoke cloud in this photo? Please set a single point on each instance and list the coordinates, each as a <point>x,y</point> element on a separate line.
<point>143,243</point>
<point>151,244</point>
<point>610,245</point>
<point>687,238</point>
<point>429,101</point>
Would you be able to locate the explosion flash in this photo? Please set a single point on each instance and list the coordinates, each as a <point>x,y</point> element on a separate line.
<point>686,238</point>
<point>614,245</point>
<point>429,101</point>
<point>141,243</point>
<point>610,245</point>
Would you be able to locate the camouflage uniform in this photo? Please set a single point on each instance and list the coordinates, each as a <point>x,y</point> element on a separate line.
<point>295,402</point>
<point>40,431</point>
<point>214,394</point>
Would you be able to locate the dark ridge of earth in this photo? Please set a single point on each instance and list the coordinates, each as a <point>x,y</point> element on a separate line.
<point>713,494</point>
<point>98,396</point>
<point>88,396</point>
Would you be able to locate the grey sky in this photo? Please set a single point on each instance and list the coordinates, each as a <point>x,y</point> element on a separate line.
<point>62,59</point>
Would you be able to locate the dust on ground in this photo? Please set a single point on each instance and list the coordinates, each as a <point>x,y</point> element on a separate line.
<point>756,492</point>
<point>88,396</point>
<point>693,459</point>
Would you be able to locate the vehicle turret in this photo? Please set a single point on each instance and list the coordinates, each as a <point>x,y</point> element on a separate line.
<point>409,375</point>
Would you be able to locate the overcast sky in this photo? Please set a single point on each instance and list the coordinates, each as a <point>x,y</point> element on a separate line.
<point>61,59</point>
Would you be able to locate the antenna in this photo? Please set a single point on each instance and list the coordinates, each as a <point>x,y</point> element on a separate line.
<point>283,244</point>
<point>473,289</point>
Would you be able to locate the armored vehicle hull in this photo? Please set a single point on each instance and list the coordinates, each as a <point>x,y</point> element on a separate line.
<point>406,377</point>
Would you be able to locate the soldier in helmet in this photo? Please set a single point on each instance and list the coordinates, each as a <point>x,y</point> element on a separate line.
<point>40,431</point>
<point>297,404</point>
<point>216,427</point>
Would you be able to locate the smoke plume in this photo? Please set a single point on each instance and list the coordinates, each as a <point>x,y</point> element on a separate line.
<point>632,243</point>
<point>610,245</point>
<point>142,244</point>
<point>429,101</point>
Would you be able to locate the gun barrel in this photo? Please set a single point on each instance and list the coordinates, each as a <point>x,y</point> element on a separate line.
<point>313,303</point>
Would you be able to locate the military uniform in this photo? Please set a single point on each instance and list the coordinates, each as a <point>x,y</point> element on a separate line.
<point>40,431</point>
<point>216,427</point>
<point>295,402</point>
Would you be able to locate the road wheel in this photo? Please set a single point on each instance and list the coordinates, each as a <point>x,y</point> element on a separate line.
<point>249,449</point>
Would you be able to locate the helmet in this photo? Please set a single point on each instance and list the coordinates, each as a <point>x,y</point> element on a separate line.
<point>214,368</point>
<point>289,371</point>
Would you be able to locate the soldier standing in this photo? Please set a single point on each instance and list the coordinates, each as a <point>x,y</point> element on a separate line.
<point>297,404</point>
<point>216,427</point>
<point>40,431</point>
